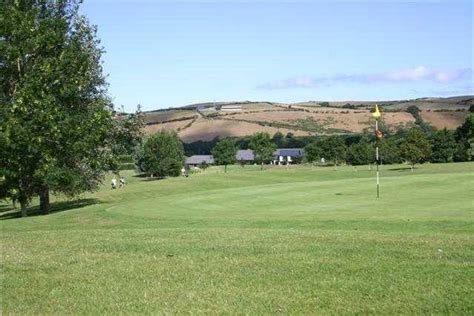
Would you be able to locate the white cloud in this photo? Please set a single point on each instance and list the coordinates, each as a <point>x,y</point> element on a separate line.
<point>419,73</point>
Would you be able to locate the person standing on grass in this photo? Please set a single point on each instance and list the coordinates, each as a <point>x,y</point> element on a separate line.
<point>122,181</point>
<point>114,183</point>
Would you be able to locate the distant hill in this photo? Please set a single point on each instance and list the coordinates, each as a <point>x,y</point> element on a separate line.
<point>205,121</point>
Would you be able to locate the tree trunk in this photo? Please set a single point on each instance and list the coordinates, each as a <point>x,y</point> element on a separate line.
<point>44,201</point>
<point>261,166</point>
<point>23,209</point>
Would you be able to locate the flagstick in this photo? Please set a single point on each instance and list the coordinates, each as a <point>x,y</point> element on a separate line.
<point>377,157</point>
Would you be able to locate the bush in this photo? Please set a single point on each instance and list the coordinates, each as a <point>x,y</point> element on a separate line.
<point>349,106</point>
<point>204,165</point>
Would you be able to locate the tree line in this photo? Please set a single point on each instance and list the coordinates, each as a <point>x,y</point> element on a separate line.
<point>163,154</point>
<point>419,144</point>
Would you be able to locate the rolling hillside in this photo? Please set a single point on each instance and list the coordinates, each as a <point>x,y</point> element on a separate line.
<point>206,121</point>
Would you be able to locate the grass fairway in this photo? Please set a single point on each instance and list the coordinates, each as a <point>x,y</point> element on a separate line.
<point>296,240</point>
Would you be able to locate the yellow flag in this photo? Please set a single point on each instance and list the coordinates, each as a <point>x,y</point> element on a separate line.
<point>376,114</point>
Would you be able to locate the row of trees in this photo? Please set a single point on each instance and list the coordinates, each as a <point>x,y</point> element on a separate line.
<point>438,146</point>
<point>414,146</point>
<point>163,155</point>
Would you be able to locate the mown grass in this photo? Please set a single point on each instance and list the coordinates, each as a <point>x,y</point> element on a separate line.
<point>300,240</point>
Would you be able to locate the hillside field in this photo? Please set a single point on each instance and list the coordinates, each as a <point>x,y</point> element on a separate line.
<point>207,121</point>
<point>296,240</point>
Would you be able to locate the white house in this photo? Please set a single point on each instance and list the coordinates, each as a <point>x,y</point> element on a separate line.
<point>287,155</point>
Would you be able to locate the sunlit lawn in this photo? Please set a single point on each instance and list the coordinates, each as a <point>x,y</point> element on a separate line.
<point>285,240</point>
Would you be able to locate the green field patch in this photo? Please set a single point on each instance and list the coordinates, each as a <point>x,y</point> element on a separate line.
<point>296,240</point>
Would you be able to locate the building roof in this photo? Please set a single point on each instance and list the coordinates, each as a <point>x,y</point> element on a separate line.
<point>231,107</point>
<point>199,159</point>
<point>292,152</point>
<point>245,155</point>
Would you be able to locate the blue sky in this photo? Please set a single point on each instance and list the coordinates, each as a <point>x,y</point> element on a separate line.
<point>172,53</point>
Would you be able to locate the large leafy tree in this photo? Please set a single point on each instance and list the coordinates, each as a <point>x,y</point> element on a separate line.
<point>57,130</point>
<point>444,146</point>
<point>312,152</point>
<point>224,152</point>
<point>465,138</point>
<point>415,148</point>
<point>334,149</point>
<point>278,139</point>
<point>361,153</point>
<point>263,147</point>
<point>389,151</point>
<point>161,155</point>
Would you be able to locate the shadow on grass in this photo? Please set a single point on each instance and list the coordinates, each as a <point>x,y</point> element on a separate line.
<point>139,175</point>
<point>56,207</point>
<point>403,169</point>
<point>144,177</point>
<point>5,208</point>
<point>152,179</point>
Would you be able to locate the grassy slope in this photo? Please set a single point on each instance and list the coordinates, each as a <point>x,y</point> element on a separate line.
<point>327,122</point>
<point>292,241</point>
